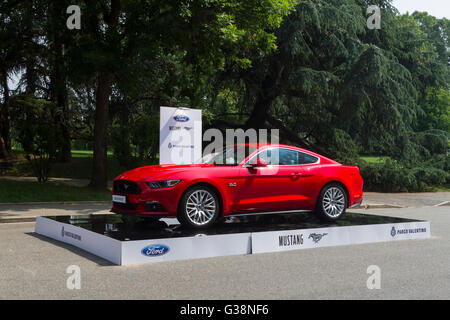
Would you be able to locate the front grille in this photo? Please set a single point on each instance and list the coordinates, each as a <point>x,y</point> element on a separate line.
<point>125,206</point>
<point>154,206</point>
<point>127,187</point>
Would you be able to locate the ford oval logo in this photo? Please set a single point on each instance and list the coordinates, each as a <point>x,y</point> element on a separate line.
<point>181,118</point>
<point>154,250</point>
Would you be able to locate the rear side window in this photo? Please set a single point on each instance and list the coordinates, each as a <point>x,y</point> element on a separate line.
<point>305,158</point>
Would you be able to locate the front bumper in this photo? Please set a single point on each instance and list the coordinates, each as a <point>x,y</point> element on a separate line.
<point>147,207</point>
<point>150,202</point>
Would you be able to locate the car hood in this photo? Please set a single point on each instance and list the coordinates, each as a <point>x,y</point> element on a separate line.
<point>157,171</point>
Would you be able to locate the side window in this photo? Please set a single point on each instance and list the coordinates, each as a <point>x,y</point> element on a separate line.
<point>305,158</point>
<point>285,157</point>
<point>288,157</point>
<point>268,155</point>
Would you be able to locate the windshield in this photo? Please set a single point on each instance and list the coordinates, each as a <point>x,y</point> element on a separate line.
<point>231,156</point>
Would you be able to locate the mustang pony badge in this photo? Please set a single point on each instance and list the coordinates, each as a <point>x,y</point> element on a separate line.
<point>316,237</point>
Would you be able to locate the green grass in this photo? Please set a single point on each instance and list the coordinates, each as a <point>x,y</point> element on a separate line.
<point>445,188</point>
<point>27,191</point>
<point>374,159</point>
<point>86,153</point>
<point>80,167</point>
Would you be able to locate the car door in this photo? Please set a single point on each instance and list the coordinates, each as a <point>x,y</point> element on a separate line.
<point>277,186</point>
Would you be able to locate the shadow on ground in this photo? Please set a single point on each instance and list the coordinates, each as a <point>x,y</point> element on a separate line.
<point>75,250</point>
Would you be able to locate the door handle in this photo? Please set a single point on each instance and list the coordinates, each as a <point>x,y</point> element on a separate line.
<point>296,174</point>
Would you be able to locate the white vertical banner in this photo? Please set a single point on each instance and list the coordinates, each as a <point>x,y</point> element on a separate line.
<point>180,135</point>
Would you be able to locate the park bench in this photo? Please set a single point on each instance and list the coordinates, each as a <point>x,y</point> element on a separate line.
<point>5,166</point>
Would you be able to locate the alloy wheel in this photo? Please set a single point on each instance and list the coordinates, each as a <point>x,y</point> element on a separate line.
<point>333,202</point>
<point>200,207</point>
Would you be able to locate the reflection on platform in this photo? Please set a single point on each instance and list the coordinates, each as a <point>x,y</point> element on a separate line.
<point>135,228</point>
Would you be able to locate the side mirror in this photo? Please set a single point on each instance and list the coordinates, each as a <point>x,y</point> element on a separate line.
<point>259,162</point>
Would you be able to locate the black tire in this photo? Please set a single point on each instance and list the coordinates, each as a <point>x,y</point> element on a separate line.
<point>324,206</point>
<point>192,218</point>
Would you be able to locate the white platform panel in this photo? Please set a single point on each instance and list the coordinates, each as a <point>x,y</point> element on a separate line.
<point>187,248</point>
<point>272,241</point>
<point>204,246</point>
<point>95,243</point>
<point>132,252</point>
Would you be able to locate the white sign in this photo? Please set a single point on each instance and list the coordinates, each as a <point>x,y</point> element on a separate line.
<point>120,199</point>
<point>180,140</point>
<point>95,243</point>
<point>183,248</point>
<point>145,251</point>
<point>284,240</point>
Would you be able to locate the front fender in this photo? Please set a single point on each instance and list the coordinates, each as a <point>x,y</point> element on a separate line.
<point>223,191</point>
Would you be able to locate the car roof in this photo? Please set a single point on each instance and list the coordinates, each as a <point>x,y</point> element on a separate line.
<point>262,145</point>
<point>265,145</point>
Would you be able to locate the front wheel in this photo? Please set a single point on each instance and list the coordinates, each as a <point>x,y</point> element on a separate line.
<point>332,202</point>
<point>199,207</point>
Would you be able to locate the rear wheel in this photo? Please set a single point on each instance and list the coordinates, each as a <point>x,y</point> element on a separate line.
<point>199,207</point>
<point>332,202</point>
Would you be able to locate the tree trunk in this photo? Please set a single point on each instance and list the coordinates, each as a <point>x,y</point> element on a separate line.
<point>258,117</point>
<point>5,125</point>
<point>266,95</point>
<point>66,148</point>
<point>99,169</point>
<point>295,138</point>
<point>31,76</point>
<point>59,77</point>
<point>104,82</point>
<point>65,152</point>
<point>59,96</point>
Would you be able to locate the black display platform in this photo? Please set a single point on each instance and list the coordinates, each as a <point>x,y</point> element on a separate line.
<point>134,240</point>
<point>135,228</point>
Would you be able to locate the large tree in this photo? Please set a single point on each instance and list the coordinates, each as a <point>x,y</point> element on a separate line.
<point>338,88</point>
<point>11,60</point>
<point>207,33</point>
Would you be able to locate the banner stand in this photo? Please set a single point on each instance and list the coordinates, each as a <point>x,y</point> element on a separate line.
<point>180,140</point>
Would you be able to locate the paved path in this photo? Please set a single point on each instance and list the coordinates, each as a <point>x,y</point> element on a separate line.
<point>34,267</point>
<point>422,199</point>
<point>17,212</point>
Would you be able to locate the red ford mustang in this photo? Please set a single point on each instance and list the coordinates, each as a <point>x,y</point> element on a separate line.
<point>240,180</point>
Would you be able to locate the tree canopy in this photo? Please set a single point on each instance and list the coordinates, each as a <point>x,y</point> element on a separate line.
<point>310,68</point>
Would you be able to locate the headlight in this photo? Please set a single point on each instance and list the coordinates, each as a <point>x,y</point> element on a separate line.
<point>162,184</point>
